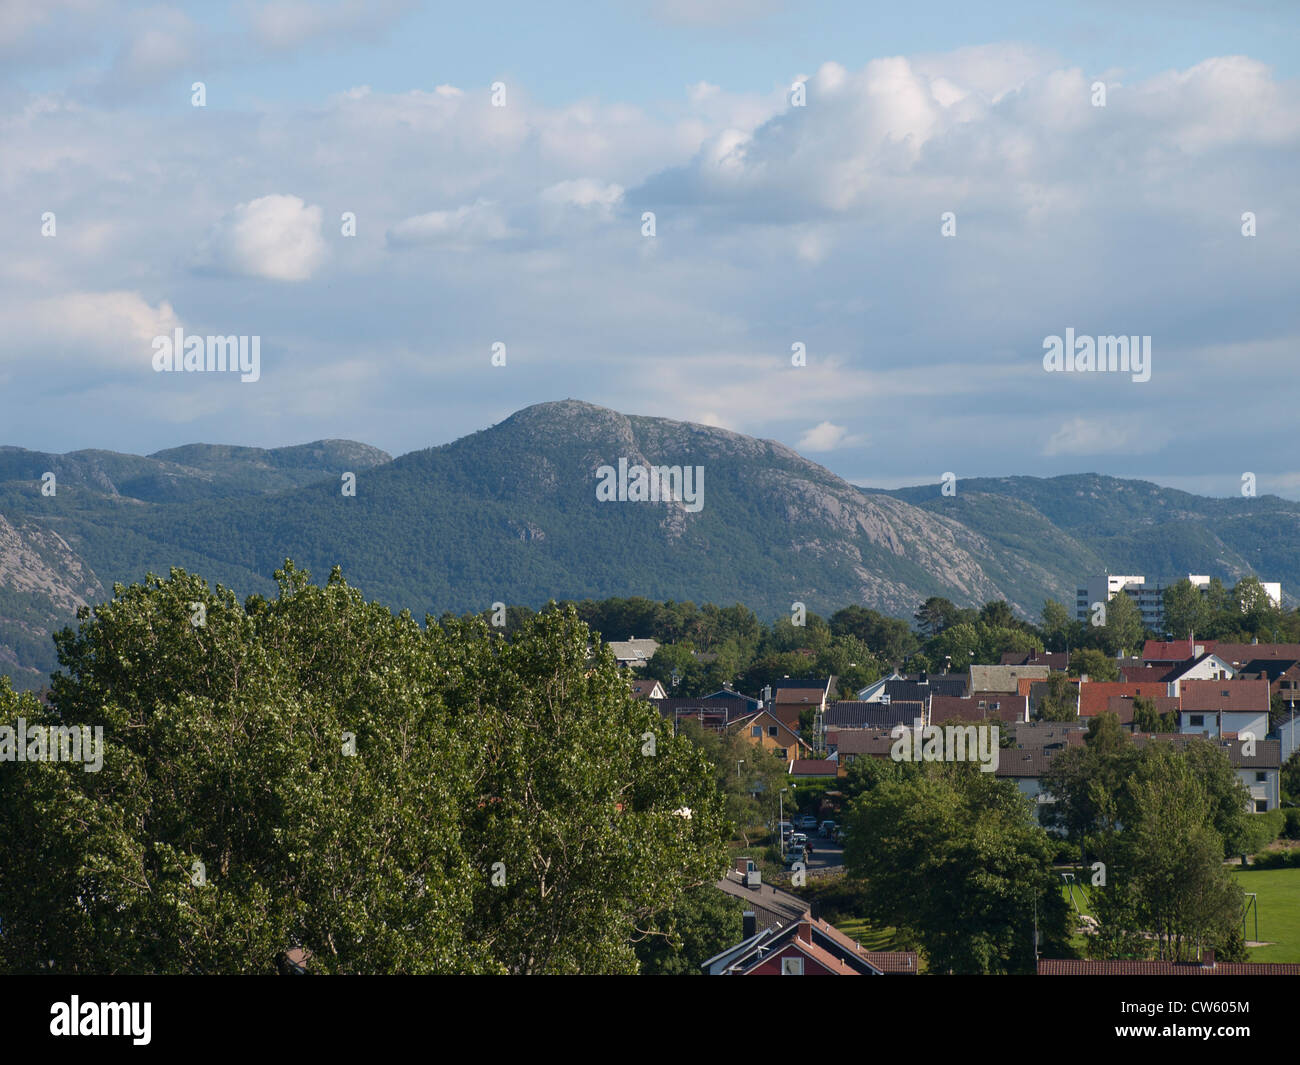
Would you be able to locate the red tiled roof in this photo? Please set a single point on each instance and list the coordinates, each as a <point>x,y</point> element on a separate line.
<point>1209,695</point>
<point>1177,651</point>
<point>1094,696</point>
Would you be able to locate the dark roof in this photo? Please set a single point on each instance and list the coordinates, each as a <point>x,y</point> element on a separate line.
<point>801,682</point>
<point>677,707</point>
<point>1268,753</point>
<point>813,767</point>
<point>874,741</point>
<point>772,907</point>
<point>1009,708</point>
<point>856,713</point>
<point>1268,668</point>
<point>907,690</point>
<point>1048,733</point>
<point>1062,967</point>
<point>1145,674</point>
<point>1014,762</point>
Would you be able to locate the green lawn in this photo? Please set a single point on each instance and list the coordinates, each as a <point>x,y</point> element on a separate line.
<point>1279,912</point>
<point>864,932</point>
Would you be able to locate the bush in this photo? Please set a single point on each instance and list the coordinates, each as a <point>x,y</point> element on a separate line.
<point>1291,823</point>
<point>1288,859</point>
<point>1262,830</point>
<point>834,898</point>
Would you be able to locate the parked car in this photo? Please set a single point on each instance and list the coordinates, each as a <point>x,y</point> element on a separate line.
<point>795,854</point>
<point>798,839</point>
<point>806,821</point>
<point>828,829</point>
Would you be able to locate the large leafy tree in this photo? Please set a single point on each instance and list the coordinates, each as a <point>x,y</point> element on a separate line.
<point>952,858</point>
<point>1167,889</point>
<point>1187,611</point>
<point>313,770</point>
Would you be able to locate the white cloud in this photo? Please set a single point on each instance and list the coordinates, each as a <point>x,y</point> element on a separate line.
<point>86,329</point>
<point>826,437</point>
<point>274,237</point>
<point>584,192</point>
<point>287,24</point>
<point>1106,436</point>
<point>462,229</point>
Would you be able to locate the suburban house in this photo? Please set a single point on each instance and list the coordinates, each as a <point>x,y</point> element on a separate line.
<point>772,907</point>
<point>983,706</point>
<point>1004,678</point>
<point>713,714</point>
<point>647,689</point>
<point>633,653</point>
<point>854,713</point>
<point>814,768</point>
<point>1260,772</point>
<point>920,686</point>
<point>1026,767</point>
<point>791,697</point>
<point>806,947</point>
<point>851,744</point>
<point>764,730</point>
<point>1282,674</point>
<point>1224,708</point>
<point>751,703</point>
<point>1095,696</point>
<point>1208,666</point>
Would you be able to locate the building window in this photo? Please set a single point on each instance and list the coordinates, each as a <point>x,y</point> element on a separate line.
<point>1196,719</point>
<point>1261,806</point>
<point>792,966</point>
<point>757,732</point>
<point>771,730</point>
<point>781,753</point>
<point>1261,777</point>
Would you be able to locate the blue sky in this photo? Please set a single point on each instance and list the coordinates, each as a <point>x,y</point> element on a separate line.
<point>776,225</point>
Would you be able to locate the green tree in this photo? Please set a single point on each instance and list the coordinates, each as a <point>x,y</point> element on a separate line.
<point>951,857</point>
<point>1186,609</point>
<point>1060,701</point>
<point>703,922</point>
<point>935,615</point>
<point>1123,631</point>
<point>394,799</point>
<point>1096,665</point>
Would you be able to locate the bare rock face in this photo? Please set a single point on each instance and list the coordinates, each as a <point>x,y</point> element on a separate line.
<point>35,559</point>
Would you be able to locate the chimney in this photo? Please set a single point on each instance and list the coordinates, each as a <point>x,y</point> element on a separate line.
<point>1207,958</point>
<point>749,922</point>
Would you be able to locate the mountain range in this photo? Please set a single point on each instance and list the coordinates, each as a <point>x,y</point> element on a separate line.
<point>511,514</point>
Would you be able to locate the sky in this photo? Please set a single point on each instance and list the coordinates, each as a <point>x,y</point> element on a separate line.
<point>914,198</point>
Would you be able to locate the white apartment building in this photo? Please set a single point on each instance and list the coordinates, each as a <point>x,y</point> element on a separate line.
<point>1149,595</point>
